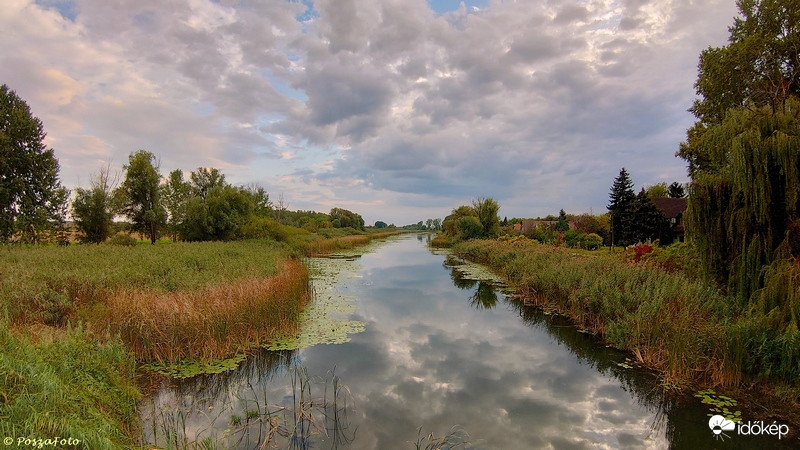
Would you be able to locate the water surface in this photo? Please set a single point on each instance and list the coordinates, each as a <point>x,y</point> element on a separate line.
<point>441,354</point>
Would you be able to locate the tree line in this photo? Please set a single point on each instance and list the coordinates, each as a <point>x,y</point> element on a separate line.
<point>34,206</point>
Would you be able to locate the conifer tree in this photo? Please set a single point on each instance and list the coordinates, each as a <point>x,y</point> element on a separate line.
<point>676,190</point>
<point>649,222</point>
<point>621,209</point>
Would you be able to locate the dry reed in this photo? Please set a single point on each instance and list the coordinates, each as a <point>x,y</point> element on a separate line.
<point>211,322</point>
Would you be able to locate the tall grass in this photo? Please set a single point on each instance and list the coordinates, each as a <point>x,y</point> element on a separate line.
<point>49,284</point>
<point>333,245</point>
<point>207,323</point>
<point>63,383</point>
<point>669,321</point>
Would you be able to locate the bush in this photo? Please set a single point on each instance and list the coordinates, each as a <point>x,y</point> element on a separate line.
<point>468,227</point>
<point>263,228</point>
<point>593,241</point>
<point>122,239</point>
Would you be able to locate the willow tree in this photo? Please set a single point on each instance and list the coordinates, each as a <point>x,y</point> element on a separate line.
<point>743,205</point>
<point>744,150</point>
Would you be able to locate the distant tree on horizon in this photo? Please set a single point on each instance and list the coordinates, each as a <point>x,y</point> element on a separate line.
<point>676,190</point>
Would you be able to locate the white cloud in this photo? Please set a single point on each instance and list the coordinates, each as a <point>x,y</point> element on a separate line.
<point>537,104</point>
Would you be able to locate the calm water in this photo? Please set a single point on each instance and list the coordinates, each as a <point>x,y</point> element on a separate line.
<point>439,354</point>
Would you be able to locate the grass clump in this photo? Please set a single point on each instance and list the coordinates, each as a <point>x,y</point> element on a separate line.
<point>64,383</point>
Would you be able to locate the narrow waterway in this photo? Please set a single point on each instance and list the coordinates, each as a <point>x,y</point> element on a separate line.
<point>438,359</point>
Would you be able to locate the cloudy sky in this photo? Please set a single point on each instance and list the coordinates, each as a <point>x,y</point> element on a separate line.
<point>400,110</point>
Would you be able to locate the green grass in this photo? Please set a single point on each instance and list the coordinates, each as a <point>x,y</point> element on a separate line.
<point>47,284</point>
<point>63,383</point>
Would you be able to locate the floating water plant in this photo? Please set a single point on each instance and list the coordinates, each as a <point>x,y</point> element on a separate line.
<point>719,405</point>
<point>325,318</point>
<point>188,369</point>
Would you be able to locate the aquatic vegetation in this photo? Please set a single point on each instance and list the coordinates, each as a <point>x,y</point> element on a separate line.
<point>719,405</point>
<point>455,438</point>
<point>324,320</point>
<point>316,411</point>
<point>193,368</point>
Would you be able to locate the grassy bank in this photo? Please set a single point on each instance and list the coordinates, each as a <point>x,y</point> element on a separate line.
<point>77,320</point>
<point>134,305</point>
<point>661,312</point>
<point>670,322</point>
<point>63,383</point>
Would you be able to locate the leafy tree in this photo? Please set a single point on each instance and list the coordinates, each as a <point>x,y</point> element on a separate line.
<point>621,209</point>
<point>563,224</point>
<point>676,190</point>
<point>141,195</point>
<point>218,215</point>
<point>760,66</point>
<point>486,210</point>
<point>650,223</point>
<point>437,224</point>
<point>449,224</point>
<point>744,151</point>
<point>29,185</point>
<point>380,224</point>
<point>262,206</point>
<point>588,224</point>
<point>174,194</point>
<point>468,227</point>
<point>94,208</point>
<point>203,180</point>
<point>342,218</point>
<point>657,190</point>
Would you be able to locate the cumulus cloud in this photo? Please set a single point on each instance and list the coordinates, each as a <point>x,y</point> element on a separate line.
<point>398,101</point>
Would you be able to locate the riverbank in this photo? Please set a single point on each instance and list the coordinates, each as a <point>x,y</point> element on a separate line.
<point>78,320</point>
<point>670,322</point>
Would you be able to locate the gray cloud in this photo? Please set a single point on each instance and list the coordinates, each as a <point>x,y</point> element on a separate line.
<point>372,100</point>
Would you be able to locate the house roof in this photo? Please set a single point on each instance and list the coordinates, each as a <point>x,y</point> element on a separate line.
<point>672,207</point>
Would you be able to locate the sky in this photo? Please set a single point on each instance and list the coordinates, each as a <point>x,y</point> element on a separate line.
<point>400,110</point>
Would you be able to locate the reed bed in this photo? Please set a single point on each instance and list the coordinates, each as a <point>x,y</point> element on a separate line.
<point>49,284</point>
<point>208,323</point>
<point>333,245</point>
<point>668,321</point>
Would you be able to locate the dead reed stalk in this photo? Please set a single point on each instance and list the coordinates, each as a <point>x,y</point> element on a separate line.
<point>208,323</point>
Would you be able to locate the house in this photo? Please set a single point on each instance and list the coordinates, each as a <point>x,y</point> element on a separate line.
<point>673,209</point>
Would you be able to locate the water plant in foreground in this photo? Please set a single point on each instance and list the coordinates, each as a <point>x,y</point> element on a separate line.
<point>314,412</point>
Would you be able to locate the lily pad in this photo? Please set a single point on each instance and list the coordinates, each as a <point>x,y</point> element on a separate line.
<point>188,369</point>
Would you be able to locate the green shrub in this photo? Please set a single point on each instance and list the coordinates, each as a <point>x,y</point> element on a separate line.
<point>593,241</point>
<point>122,239</point>
<point>468,227</point>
